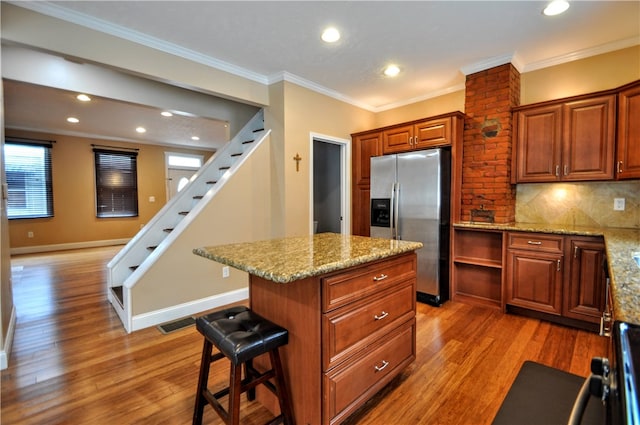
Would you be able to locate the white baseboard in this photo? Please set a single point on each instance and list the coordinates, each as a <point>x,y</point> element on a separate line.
<point>66,246</point>
<point>8,341</point>
<point>165,315</point>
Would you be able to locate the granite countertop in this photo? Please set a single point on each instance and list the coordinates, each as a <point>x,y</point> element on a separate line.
<point>620,243</point>
<point>288,259</point>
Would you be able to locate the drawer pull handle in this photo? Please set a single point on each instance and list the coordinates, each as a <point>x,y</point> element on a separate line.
<point>382,315</point>
<point>379,278</point>
<point>534,242</point>
<point>380,368</point>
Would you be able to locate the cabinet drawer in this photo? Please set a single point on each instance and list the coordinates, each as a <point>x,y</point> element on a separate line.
<point>347,388</point>
<point>536,241</point>
<point>354,284</point>
<point>348,329</point>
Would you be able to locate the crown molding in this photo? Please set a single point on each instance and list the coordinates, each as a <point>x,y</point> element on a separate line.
<point>486,64</point>
<point>56,11</point>
<point>292,78</point>
<point>59,12</point>
<point>430,95</point>
<point>582,54</point>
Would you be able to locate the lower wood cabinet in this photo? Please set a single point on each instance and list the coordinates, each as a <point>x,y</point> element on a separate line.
<point>557,275</point>
<point>534,272</point>
<point>585,288</point>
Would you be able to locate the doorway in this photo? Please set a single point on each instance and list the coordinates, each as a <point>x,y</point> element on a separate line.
<point>330,185</point>
<point>179,169</point>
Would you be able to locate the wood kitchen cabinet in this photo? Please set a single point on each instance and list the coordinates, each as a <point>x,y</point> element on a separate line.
<point>571,139</point>
<point>534,272</point>
<point>364,146</point>
<point>628,145</point>
<point>584,289</point>
<point>417,135</point>
<point>350,332</point>
<point>441,130</point>
<point>562,276</point>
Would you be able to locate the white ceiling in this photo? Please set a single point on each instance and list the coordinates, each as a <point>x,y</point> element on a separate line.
<point>435,43</point>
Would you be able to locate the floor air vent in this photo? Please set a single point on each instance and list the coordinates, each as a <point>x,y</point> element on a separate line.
<point>176,325</point>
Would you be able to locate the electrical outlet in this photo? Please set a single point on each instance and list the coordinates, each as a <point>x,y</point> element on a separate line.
<point>618,204</point>
<point>29,234</point>
<point>225,271</point>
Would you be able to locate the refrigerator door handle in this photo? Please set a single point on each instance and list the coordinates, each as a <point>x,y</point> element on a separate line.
<point>392,208</point>
<point>396,213</point>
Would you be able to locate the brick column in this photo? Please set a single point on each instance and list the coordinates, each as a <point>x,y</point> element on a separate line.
<point>487,195</point>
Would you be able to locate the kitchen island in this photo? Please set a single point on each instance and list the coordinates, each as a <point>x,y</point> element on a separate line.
<point>348,303</point>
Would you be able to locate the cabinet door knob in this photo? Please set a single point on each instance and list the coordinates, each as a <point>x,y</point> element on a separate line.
<point>558,269</point>
<point>382,366</point>
<point>379,278</point>
<point>534,242</point>
<point>557,171</point>
<point>619,166</point>
<point>382,315</point>
<point>575,251</point>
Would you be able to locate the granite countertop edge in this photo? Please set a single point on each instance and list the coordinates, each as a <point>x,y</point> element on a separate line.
<point>620,243</point>
<point>251,258</point>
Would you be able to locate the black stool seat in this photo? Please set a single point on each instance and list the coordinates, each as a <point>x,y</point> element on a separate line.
<point>240,334</point>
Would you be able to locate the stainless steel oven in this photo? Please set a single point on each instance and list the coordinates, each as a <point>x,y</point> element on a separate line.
<point>615,381</point>
<point>609,396</point>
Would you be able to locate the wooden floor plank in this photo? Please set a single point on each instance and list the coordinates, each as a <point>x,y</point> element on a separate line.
<point>73,363</point>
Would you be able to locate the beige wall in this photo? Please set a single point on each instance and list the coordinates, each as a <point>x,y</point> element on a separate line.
<point>601,72</point>
<point>238,213</point>
<point>50,34</point>
<point>427,108</point>
<point>73,178</point>
<point>6,288</point>
<point>300,112</point>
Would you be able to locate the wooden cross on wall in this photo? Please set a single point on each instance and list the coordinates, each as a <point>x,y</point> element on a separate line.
<point>297,159</point>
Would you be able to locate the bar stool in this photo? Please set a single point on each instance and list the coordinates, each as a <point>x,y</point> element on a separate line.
<point>240,335</point>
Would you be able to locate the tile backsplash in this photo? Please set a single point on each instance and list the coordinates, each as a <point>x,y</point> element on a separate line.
<point>579,204</point>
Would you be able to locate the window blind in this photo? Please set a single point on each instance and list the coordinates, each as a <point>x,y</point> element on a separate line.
<point>116,183</point>
<point>29,182</point>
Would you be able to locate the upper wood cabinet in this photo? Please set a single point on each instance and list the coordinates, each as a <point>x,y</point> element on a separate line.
<point>441,130</point>
<point>568,140</point>
<point>364,146</point>
<point>628,158</point>
<point>417,135</point>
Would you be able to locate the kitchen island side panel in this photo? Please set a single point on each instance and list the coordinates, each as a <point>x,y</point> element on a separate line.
<point>296,307</point>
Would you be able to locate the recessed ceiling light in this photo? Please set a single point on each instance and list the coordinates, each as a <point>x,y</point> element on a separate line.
<point>83,98</point>
<point>141,130</point>
<point>166,114</point>
<point>391,71</point>
<point>330,35</point>
<point>556,7</point>
<point>73,120</point>
<point>195,138</point>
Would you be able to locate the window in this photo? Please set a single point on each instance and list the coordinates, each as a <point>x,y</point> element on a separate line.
<point>116,183</point>
<point>28,171</point>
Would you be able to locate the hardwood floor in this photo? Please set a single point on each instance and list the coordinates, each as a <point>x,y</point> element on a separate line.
<point>73,363</point>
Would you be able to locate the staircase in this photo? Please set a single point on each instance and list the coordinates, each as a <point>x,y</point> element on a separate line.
<point>145,250</point>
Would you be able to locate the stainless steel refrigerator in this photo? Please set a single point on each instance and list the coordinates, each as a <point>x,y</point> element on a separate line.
<point>410,195</point>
